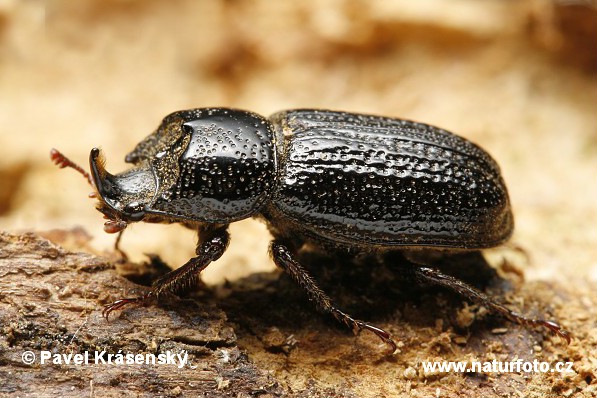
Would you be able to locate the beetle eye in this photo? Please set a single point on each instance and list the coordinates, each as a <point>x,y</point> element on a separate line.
<point>134,211</point>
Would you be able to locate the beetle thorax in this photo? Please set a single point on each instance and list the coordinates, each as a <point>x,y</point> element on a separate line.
<point>226,171</point>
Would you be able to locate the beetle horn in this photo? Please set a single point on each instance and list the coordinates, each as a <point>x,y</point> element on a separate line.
<point>104,182</point>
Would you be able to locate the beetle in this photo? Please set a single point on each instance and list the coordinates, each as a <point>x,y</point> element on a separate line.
<point>324,178</point>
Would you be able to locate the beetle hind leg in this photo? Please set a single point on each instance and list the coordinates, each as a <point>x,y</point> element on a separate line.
<point>210,248</point>
<point>284,259</point>
<point>434,276</point>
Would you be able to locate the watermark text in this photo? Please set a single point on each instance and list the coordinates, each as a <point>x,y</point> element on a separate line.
<point>178,359</point>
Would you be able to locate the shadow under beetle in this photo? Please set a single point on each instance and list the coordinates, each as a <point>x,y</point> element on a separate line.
<point>330,179</point>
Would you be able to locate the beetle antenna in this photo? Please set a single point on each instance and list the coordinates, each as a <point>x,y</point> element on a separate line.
<point>62,161</point>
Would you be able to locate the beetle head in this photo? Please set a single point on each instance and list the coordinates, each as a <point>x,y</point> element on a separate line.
<point>124,197</point>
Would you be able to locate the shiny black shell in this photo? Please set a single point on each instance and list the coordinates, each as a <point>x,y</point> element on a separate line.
<point>331,177</point>
<point>212,165</point>
<point>361,180</point>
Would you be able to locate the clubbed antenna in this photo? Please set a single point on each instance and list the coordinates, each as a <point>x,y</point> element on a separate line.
<point>62,161</point>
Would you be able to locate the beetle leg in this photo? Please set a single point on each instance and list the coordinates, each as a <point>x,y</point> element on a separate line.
<point>434,276</point>
<point>211,247</point>
<point>285,260</point>
<point>117,249</point>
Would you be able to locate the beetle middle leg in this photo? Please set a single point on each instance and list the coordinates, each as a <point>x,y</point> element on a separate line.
<point>434,276</point>
<point>284,259</point>
<point>212,245</point>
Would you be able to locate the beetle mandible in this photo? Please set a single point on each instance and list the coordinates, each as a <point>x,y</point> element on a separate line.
<point>318,177</point>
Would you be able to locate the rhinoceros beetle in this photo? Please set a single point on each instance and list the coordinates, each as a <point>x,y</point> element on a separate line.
<point>318,177</point>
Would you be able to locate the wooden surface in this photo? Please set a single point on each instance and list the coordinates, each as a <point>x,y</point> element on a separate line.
<point>259,336</point>
<point>51,301</point>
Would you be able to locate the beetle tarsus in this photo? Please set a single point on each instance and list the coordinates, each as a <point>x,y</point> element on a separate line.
<point>552,326</point>
<point>382,334</point>
<point>118,304</point>
<point>434,276</point>
<point>284,259</point>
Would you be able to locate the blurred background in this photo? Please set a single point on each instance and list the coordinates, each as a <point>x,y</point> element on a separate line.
<point>518,77</point>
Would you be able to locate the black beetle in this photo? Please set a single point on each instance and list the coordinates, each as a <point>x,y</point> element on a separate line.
<point>330,179</point>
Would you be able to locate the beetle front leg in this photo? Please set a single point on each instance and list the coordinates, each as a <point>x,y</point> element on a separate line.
<point>123,256</point>
<point>212,245</point>
<point>284,259</point>
<point>434,276</point>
